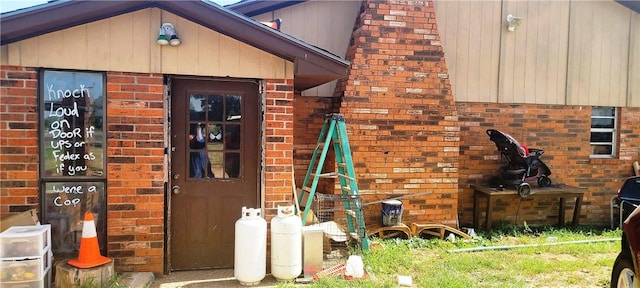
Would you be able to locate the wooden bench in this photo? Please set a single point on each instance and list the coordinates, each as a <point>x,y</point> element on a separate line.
<point>560,192</point>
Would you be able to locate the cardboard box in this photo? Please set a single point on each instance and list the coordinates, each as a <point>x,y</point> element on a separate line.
<point>26,218</point>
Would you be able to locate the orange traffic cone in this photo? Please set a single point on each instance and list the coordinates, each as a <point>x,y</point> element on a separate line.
<point>89,255</point>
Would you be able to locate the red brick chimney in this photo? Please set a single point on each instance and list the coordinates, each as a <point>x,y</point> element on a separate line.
<point>401,116</point>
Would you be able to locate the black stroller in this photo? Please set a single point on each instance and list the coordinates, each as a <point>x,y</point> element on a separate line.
<point>523,165</point>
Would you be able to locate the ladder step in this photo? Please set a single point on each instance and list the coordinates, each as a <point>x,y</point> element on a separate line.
<point>332,175</point>
<point>325,175</point>
<point>346,189</point>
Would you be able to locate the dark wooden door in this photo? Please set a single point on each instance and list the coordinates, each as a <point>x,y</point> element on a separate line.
<point>214,168</point>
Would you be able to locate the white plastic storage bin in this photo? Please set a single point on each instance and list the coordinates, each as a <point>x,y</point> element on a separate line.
<point>24,269</point>
<point>25,241</point>
<point>42,282</point>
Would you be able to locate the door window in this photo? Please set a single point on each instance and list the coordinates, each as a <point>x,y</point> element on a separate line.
<point>215,136</point>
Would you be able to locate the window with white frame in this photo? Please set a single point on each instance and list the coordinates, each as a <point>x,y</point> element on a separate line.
<point>604,126</point>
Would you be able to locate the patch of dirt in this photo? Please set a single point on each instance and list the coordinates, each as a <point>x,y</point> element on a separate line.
<point>591,270</point>
<point>597,276</point>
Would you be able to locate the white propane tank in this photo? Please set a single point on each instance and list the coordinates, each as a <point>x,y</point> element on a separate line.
<point>286,244</point>
<point>250,253</point>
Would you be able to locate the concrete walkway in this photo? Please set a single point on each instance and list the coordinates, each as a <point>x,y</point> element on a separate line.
<point>191,279</point>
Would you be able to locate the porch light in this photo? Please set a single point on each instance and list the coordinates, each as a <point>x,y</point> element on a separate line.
<point>513,22</point>
<point>167,30</point>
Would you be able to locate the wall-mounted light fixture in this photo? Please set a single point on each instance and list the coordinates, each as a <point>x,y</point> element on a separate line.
<point>513,22</point>
<point>275,24</point>
<point>167,30</point>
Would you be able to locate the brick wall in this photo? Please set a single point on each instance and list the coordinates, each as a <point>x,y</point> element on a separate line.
<point>278,149</point>
<point>405,135</point>
<point>400,112</point>
<point>563,132</point>
<point>309,115</point>
<point>135,171</point>
<point>18,139</point>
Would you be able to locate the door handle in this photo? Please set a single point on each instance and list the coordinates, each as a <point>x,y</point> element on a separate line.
<point>175,189</point>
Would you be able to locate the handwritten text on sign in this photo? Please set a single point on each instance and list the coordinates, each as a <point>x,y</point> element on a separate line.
<point>66,194</point>
<point>67,139</point>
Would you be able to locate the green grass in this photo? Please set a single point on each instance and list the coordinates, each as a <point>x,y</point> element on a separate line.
<point>113,282</point>
<point>436,263</point>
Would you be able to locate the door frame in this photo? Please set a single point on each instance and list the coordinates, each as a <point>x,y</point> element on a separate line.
<point>169,145</point>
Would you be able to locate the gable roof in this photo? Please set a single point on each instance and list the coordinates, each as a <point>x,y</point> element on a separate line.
<point>313,66</point>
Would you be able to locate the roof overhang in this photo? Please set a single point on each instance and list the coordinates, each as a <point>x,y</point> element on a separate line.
<point>631,4</point>
<point>256,7</point>
<point>313,66</point>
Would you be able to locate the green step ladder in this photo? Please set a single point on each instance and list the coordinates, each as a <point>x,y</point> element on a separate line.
<point>335,130</point>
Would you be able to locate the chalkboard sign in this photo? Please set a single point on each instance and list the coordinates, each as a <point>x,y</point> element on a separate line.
<point>72,134</point>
